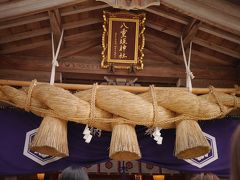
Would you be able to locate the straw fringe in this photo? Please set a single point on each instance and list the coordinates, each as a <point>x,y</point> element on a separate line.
<point>124,145</point>
<point>54,142</point>
<point>190,141</point>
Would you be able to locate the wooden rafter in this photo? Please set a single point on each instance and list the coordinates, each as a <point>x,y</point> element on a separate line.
<point>80,48</point>
<point>56,26</point>
<point>83,35</point>
<point>81,23</point>
<point>25,47</point>
<point>167,15</point>
<point>216,47</point>
<point>162,28</point>
<point>24,7</point>
<point>87,9</point>
<point>211,58</point>
<point>195,40</point>
<point>163,52</point>
<point>220,33</point>
<point>188,34</point>
<point>22,21</point>
<point>208,29</point>
<point>25,35</point>
<point>200,9</point>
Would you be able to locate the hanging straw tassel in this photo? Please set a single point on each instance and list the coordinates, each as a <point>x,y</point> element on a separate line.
<point>190,141</point>
<point>124,144</point>
<point>51,138</point>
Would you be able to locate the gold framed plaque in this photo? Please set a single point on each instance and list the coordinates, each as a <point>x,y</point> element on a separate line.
<point>123,40</point>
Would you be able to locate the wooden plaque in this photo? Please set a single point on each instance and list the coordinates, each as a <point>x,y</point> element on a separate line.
<point>123,40</point>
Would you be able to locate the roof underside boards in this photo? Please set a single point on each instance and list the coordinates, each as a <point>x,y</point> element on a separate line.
<point>25,42</point>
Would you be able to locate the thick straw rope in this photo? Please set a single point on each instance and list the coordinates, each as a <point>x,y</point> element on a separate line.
<point>82,114</point>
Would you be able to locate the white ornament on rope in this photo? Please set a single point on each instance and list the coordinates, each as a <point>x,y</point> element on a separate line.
<point>155,133</point>
<point>55,56</point>
<point>87,134</point>
<point>189,74</point>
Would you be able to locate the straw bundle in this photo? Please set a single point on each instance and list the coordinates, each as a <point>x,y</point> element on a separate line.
<point>124,144</point>
<point>19,97</point>
<point>51,137</point>
<point>223,98</point>
<point>187,104</point>
<point>61,101</point>
<point>184,102</point>
<point>190,141</point>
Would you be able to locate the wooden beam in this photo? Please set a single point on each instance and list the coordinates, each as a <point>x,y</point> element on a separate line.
<point>24,7</point>
<point>175,59</point>
<point>207,82</point>
<point>22,75</point>
<point>216,47</point>
<point>220,33</point>
<point>167,15</point>
<point>164,29</point>
<point>56,26</point>
<point>85,22</point>
<point>161,42</point>
<point>205,28</point>
<point>23,20</point>
<point>200,9</point>
<point>80,48</point>
<point>25,35</point>
<point>83,36</point>
<point>211,58</point>
<point>86,9</point>
<point>188,34</point>
<point>76,66</point>
<point>25,47</point>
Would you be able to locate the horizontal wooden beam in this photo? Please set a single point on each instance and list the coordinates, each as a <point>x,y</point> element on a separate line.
<point>80,48</point>
<point>81,23</point>
<point>25,47</point>
<point>207,82</point>
<point>209,58</point>
<point>86,9</point>
<point>164,29</point>
<point>215,47</point>
<point>220,33</point>
<point>22,75</point>
<point>93,67</point>
<point>83,35</point>
<point>24,7</point>
<point>25,35</point>
<point>205,28</point>
<point>167,15</point>
<point>24,20</point>
<point>200,9</point>
<point>175,59</point>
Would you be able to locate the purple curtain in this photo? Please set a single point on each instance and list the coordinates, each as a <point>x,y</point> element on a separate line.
<point>18,126</point>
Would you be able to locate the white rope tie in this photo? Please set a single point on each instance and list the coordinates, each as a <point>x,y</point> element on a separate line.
<point>189,74</point>
<point>55,56</point>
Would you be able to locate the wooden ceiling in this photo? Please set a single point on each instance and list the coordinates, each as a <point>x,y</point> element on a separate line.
<point>25,44</point>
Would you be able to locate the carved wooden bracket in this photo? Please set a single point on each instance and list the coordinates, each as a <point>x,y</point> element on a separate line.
<point>131,4</point>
